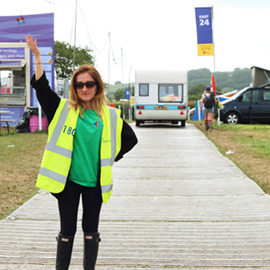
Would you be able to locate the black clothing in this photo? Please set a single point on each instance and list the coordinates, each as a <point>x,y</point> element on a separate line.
<point>209,101</point>
<point>90,250</point>
<point>64,251</point>
<point>68,203</point>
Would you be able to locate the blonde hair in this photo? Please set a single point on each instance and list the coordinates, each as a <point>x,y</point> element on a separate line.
<point>209,92</point>
<point>98,100</point>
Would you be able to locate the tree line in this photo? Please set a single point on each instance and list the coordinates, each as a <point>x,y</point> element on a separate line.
<point>225,81</point>
<point>197,78</point>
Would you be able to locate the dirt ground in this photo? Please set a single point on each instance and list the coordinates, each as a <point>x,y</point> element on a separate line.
<point>246,148</point>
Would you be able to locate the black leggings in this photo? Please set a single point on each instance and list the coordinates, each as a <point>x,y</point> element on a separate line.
<point>68,203</point>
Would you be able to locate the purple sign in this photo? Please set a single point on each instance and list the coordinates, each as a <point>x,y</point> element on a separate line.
<point>11,53</point>
<point>15,114</point>
<point>10,63</point>
<point>40,26</point>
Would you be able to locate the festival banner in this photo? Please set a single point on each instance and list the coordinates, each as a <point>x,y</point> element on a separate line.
<point>204,31</point>
<point>40,26</point>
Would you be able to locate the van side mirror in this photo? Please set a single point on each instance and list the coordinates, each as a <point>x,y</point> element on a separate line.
<point>240,98</point>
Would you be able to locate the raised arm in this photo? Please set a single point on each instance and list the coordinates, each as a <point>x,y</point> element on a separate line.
<point>35,50</point>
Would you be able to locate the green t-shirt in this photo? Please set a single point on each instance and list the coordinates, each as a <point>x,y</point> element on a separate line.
<point>86,149</point>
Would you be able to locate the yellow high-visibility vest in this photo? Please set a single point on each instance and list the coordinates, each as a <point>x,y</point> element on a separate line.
<point>57,157</point>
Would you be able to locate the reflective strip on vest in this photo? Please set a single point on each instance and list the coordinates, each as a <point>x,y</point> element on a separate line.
<point>106,188</point>
<point>113,120</point>
<point>53,175</point>
<point>51,146</point>
<point>109,161</point>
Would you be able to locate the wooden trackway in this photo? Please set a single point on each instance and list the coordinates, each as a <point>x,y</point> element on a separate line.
<point>177,204</point>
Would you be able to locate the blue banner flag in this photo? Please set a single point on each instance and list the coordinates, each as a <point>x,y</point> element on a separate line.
<point>127,94</point>
<point>204,31</point>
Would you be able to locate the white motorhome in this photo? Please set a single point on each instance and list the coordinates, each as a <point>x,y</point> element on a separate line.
<point>161,96</point>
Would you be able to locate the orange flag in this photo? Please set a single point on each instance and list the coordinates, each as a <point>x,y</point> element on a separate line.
<point>213,84</point>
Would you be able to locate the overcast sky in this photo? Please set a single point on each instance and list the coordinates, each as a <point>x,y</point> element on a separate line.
<point>155,34</point>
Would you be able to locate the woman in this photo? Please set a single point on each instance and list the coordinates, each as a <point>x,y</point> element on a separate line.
<point>208,105</point>
<point>85,137</point>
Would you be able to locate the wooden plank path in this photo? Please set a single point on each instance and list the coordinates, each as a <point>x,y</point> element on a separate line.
<point>177,204</point>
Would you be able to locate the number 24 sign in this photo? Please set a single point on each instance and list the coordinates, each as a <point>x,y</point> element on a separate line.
<point>204,22</point>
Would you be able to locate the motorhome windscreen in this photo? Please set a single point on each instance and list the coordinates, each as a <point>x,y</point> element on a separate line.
<point>170,93</point>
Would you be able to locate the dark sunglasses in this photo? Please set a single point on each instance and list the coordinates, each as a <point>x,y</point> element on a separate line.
<point>80,85</point>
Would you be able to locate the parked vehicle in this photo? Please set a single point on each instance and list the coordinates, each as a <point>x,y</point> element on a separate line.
<point>252,104</point>
<point>161,96</point>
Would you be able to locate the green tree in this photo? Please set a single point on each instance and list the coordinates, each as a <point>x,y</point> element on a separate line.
<point>196,92</point>
<point>199,76</point>
<point>242,77</point>
<point>64,58</point>
<point>119,94</point>
<point>237,79</point>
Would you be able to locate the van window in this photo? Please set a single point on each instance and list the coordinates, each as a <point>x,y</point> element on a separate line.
<point>170,93</point>
<point>144,89</point>
<point>266,95</point>
<point>251,95</point>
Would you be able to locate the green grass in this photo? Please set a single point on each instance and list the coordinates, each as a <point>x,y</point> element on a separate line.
<point>258,127</point>
<point>250,144</point>
<point>254,137</point>
<point>20,158</point>
<point>259,146</point>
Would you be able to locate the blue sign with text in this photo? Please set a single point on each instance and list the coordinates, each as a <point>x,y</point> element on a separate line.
<point>127,94</point>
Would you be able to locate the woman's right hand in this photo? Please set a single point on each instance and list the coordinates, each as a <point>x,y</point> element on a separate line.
<point>32,45</point>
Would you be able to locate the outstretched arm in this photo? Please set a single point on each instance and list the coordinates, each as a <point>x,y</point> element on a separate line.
<point>35,50</point>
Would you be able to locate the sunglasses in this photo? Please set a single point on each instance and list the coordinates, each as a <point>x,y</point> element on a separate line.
<point>80,85</point>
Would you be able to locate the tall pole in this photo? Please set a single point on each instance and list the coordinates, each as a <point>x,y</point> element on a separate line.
<point>109,56</point>
<point>122,64</point>
<point>214,59</point>
<point>75,27</point>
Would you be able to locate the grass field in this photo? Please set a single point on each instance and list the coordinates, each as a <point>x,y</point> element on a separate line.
<point>249,146</point>
<point>20,158</point>
<point>21,154</point>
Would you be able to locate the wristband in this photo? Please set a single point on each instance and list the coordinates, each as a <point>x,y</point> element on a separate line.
<point>39,63</point>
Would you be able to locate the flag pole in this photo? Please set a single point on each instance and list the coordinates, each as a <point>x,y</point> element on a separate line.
<point>214,58</point>
<point>214,55</point>
<point>75,28</point>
